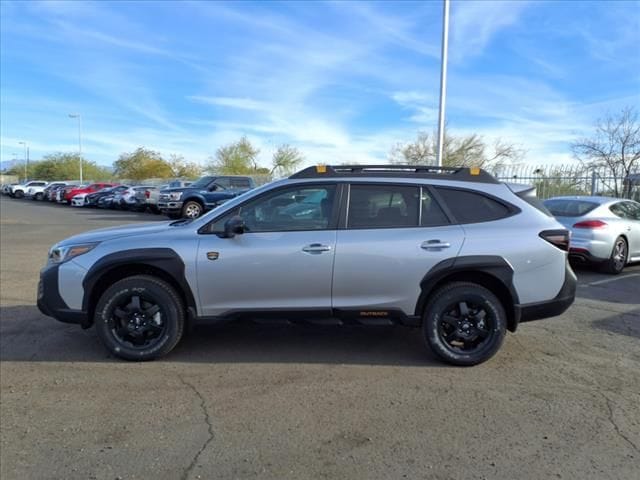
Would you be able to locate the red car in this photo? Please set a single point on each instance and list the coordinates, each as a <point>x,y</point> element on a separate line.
<point>69,193</point>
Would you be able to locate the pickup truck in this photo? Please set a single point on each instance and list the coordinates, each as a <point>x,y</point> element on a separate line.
<point>203,195</point>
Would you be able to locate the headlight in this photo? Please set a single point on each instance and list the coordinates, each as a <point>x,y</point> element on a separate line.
<point>62,254</point>
<point>175,195</point>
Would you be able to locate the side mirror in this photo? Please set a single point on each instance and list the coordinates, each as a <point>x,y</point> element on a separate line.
<point>234,226</point>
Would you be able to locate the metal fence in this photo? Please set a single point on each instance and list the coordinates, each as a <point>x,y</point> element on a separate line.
<point>556,180</point>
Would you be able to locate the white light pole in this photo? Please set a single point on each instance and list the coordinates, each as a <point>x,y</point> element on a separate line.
<point>77,115</point>
<point>443,80</point>
<point>26,159</point>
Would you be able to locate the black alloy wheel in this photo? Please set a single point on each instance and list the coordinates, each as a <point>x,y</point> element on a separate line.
<point>464,323</point>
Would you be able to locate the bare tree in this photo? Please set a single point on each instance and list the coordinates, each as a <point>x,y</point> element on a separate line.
<point>459,151</point>
<point>615,145</point>
<point>286,160</point>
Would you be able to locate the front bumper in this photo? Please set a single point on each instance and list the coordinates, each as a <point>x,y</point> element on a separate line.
<point>170,206</point>
<point>550,308</point>
<point>51,304</point>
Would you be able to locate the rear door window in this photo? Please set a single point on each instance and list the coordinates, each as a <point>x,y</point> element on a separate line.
<point>472,207</point>
<point>383,206</point>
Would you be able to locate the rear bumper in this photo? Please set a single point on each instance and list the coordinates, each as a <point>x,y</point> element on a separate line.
<point>51,304</point>
<point>583,255</point>
<point>551,308</point>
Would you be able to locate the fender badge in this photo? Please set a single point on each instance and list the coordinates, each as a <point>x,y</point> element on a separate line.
<point>213,255</point>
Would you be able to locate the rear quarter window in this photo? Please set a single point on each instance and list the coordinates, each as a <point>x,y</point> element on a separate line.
<point>473,207</point>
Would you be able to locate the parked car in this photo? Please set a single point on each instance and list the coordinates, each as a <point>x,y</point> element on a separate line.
<point>49,189</point>
<point>39,192</point>
<point>605,231</point>
<point>152,195</point>
<point>93,199</point>
<point>450,250</point>
<point>63,192</point>
<point>6,188</point>
<point>78,200</point>
<point>127,200</point>
<point>18,190</point>
<point>202,195</point>
<point>94,187</point>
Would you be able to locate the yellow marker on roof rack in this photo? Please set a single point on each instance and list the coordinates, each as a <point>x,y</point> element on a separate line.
<point>474,171</point>
<point>321,168</point>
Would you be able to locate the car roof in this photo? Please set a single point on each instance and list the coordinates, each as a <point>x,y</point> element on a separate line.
<point>463,174</point>
<point>601,200</point>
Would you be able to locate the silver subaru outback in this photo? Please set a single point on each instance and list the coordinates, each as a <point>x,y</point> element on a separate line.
<point>451,251</point>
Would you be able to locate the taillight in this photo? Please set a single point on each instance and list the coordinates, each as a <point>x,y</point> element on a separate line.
<point>557,238</point>
<point>147,194</point>
<point>590,224</point>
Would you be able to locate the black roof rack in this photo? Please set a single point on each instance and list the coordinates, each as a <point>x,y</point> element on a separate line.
<point>462,174</point>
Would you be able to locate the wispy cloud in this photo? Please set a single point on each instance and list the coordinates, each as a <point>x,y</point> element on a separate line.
<point>474,24</point>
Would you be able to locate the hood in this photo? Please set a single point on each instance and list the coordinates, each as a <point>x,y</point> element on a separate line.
<point>179,189</point>
<point>104,234</point>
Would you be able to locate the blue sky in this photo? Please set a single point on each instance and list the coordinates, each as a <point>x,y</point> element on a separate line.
<point>342,81</point>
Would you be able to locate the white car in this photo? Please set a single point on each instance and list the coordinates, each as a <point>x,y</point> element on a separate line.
<point>35,192</point>
<point>78,200</point>
<point>18,191</point>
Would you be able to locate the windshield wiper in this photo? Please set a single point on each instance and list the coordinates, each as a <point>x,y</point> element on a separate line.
<point>182,221</point>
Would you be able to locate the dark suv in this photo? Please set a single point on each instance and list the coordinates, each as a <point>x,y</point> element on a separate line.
<point>202,195</point>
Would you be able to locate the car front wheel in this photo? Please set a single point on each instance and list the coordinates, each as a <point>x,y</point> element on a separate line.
<point>191,210</point>
<point>140,318</point>
<point>464,323</point>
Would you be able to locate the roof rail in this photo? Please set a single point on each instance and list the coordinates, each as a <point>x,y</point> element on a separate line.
<point>463,174</point>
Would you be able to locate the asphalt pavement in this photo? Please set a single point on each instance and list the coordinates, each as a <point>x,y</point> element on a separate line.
<point>560,400</point>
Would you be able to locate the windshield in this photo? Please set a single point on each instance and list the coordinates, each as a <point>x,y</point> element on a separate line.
<point>202,183</point>
<point>569,207</point>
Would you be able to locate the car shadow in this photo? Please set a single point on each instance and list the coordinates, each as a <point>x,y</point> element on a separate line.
<point>28,336</point>
<point>627,324</point>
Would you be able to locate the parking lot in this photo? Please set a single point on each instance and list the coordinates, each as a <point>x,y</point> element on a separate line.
<point>560,400</point>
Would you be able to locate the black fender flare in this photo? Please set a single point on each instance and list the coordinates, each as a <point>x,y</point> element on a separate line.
<point>488,265</point>
<point>166,260</point>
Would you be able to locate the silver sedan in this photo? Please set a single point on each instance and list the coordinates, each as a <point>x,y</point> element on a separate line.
<point>604,230</point>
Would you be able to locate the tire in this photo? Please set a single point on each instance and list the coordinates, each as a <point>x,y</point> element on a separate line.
<point>18,194</point>
<point>191,209</point>
<point>38,196</point>
<point>618,258</point>
<point>464,323</point>
<point>126,331</point>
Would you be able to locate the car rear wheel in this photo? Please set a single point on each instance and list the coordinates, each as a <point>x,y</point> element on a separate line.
<point>464,323</point>
<point>18,194</point>
<point>191,209</point>
<point>140,318</point>
<point>618,258</point>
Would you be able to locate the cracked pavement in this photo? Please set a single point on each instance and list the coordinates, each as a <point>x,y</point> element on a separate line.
<point>560,400</point>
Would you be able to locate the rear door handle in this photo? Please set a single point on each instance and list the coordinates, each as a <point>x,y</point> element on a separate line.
<point>316,248</point>
<point>434,245</point>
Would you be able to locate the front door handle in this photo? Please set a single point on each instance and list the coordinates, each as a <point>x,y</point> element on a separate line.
<point>316,248</point>
<point>434,245</point>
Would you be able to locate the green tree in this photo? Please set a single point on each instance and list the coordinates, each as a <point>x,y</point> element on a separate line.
<point>62,166</point>
<point>180,168</point>
<point>142,163</point>
<point>459,151</point>
<point>237,158</point>
<point>286,160</point>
